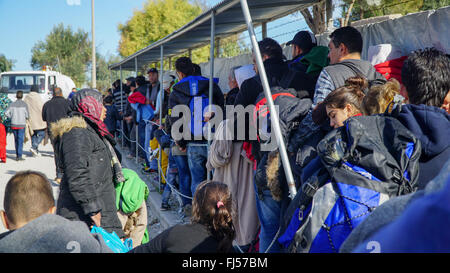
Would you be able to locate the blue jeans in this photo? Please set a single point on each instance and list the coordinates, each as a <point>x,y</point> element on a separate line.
<point>170,178</point>
<point>19,135</point>
<point>141,135</point>
<point>184,178</point>
<point>269,216</point>
<point>37,138</point>
<point>147,138</point>
<point>197,157</point>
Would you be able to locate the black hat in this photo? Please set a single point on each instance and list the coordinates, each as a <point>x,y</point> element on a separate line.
<point>152,70</point>
<point>304,39</point>
<point>131,79</point>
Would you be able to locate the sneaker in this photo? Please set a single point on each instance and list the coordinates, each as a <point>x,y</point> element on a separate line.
<point>34,152</point>
<point>165,207</point>
<point>148,170</point>
<point>20,159</point>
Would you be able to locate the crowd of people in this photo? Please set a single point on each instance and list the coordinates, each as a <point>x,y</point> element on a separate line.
<point>338,113</point>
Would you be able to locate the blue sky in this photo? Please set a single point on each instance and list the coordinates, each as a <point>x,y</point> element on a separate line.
<point>24,22</point>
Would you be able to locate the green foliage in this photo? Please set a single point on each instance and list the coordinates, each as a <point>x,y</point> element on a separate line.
<point>5,64</point>
<point>157,20</point>
<point>66,51</point>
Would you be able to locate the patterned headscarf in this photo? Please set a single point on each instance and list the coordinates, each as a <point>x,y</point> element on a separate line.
<point>89,103</point>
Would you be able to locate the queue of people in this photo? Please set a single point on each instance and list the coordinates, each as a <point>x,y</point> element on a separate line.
<point>365,149</point>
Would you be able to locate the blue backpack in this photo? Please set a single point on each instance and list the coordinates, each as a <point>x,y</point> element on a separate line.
<point>360,165</point>
<point>197,104</point>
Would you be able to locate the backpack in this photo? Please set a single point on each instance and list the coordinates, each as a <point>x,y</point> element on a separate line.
<point>359,166</point>
<point>197,104</point>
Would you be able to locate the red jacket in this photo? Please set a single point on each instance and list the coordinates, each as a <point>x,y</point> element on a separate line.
<point>392,68</point>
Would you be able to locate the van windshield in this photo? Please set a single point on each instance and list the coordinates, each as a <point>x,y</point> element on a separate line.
<point>11,83</point>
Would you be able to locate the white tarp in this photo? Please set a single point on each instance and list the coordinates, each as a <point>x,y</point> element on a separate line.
<point>406,34</point>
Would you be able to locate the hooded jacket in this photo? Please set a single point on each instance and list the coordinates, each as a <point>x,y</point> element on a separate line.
<point>87,185</point>
<point>182,94</point>
<point>432,126</point>
<point>51,233</point>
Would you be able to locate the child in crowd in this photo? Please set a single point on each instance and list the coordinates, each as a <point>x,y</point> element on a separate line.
<point>380,97</point>
<point>112,115</point>
<point>29,215</point>
<point>211,229</point>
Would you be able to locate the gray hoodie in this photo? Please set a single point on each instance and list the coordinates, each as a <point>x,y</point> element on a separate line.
<point>18,113</point>
<point>51,233</point>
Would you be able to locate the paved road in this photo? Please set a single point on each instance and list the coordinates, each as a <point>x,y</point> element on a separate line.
<point>44,163</point>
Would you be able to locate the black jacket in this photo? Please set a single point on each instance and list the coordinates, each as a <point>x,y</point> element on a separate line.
<point>55,109</point>
<point>182,95</point>
<point>87,185</point>
<point>112,116</point>
<point>189,238</point>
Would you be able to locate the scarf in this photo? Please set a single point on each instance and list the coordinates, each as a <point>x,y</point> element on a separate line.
<point>89,103</point>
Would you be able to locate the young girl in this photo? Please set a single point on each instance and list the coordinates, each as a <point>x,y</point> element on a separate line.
<point>211,229</point>
<point>379,97</point>
<point>346,101</point>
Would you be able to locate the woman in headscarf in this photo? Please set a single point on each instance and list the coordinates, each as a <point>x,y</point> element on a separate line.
<point>90,165</point>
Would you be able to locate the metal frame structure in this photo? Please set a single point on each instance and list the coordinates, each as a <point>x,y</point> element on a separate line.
<point>225,19</point>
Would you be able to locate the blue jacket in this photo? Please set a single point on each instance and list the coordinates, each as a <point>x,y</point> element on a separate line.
<point>432,126</point>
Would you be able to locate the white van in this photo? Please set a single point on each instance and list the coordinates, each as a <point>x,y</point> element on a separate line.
<point>13,81</point>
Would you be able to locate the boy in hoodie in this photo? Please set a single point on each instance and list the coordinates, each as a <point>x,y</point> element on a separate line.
<point>29,215</point>
<point>187,92</point>
<point>426,87</point>
<point>18,113</point>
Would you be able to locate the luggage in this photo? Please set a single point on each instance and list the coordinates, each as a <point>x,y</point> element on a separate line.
<point>360,165</point>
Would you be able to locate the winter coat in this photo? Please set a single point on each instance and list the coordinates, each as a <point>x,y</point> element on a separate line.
<point>112,116</point>
<point>232,167</point>
<point>87,186</point>
<point>51,233</point>
<point>432,126</point>
<point>182,95</point>
<point>55,109</point>
<point>35,105</point>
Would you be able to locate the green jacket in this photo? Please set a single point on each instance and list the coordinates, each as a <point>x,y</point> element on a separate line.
<point>316,59</point>
<point>131,193</point>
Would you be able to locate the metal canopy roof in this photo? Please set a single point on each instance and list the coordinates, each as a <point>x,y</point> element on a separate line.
<point>229,20</point>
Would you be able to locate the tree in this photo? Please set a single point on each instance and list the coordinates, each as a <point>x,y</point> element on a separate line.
<point>66,51</point>
<point>5,64</point>
<point>157,20</point>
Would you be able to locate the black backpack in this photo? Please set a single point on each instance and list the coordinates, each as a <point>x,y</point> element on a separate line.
<point>360,165</point>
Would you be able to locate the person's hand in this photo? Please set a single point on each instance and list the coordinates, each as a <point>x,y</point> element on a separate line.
<point>147,101</point>
<point>97,219</point>
<point>208,116</point>
<point>180,148</point>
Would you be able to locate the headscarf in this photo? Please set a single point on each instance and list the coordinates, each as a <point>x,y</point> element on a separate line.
<point>89,103</point>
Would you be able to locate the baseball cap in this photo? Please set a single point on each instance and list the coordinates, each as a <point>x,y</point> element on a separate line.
<point>131,79</point>
<point>152,70</point>
<point>304,39</point>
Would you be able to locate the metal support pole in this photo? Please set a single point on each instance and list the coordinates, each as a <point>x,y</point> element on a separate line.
<point>121,102</point>
<point>267,93</point>
<point>161,102</point>
<point>218,48</point>
<point>135,67</point>
<point>94,66</point>
<point>170,63</point>
<point>211,77</point>
<point>264,30</point>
